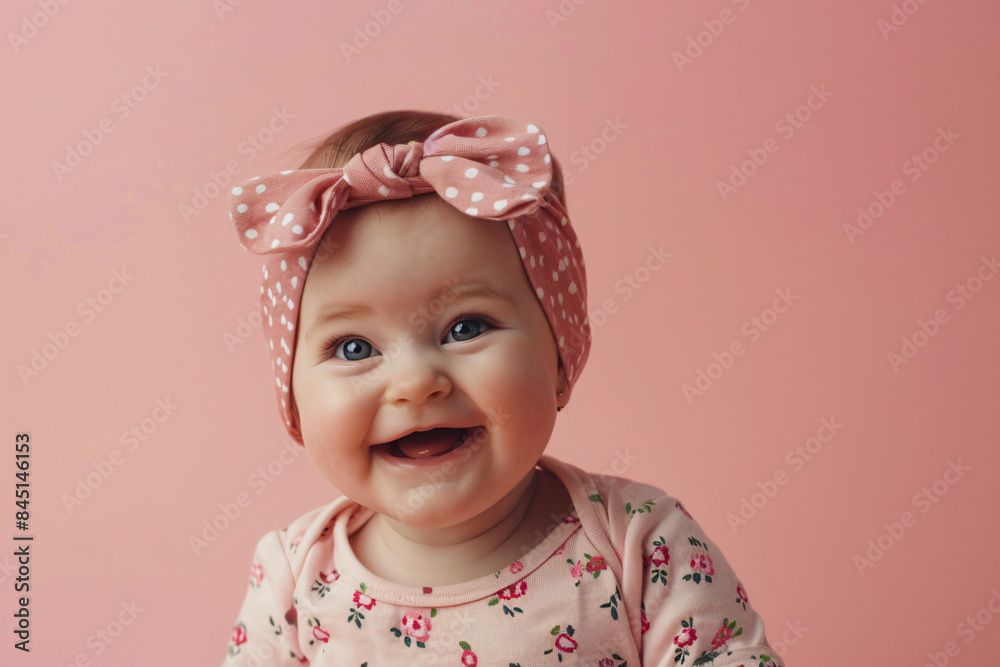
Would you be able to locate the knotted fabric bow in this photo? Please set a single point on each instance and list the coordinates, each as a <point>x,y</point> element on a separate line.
<point>491,167</point>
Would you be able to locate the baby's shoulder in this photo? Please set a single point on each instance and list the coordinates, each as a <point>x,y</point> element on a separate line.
<point>293,542</point>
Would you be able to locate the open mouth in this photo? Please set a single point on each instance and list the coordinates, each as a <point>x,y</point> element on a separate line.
<point>428,444</point>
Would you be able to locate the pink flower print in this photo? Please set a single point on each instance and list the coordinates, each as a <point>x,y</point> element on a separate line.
<point>565,643</point>
<point>562,548</point>
<point>660,555</point>
<point>469,658</point>
<point>516,567</point>
<point>721,637</point>
<point>239,635</point>
<point>321,634</point>
<point>256,574</point>
<point>416,625</point>
<point>577,570</point>
<point>645,621</point>
<point>701,566</point>
<point>724,633</point>
<point>742,599</point>
<point>295,544</point>
<point>515,590</point>
<point>571,519</point>
<point>686,637</point>
<point>606,662</point>
<point>329,577</point>
<point>681,508</point>
<point>362,600</point>
<point>702,563</point>
<point>596,564</point>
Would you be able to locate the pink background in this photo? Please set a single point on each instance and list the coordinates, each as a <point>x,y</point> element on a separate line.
<point>681,131</point>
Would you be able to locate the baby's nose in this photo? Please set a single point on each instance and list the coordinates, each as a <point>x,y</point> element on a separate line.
<point>415,376</point>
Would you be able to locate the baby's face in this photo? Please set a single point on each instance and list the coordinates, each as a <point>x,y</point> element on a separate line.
<point>423,350</point>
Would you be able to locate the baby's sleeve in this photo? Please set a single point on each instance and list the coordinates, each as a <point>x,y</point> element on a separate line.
<point>694,609</point>
<point>265,630</point>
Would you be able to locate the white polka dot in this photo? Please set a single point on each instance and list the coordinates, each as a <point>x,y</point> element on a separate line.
<point>295,283</point>
<point>539,184</point>
<point>494,164</point>
<point>507,185</point>
<point>287,172</point>
<point>272,207</point>
<point>572,288</point>
<point>499,204</point>
<point>532,128</point>
<point>522,168</point>
<point>561,338</point>
<point>509,179</point>
<point>539,292</point>
<point>242,208</point>
<point>563,312</point>
<point>273,218</point>
<point>278,381</point>
<point>523,150</point>
<point>274,243</point>
<point>477,196</point>
<point>283,320</point>
<point>531,260</point>
<point>472,211</point>
<point>288,218</point>
<point>542,237</point>
<point>302,263</point>
<point>548,158</point>
<point>555,275</point>
<point>271,343</point>
<point>523,252</point>
<point>481,132</point>
<point>541,260</point>
<point>270,322</point>
<point>447,158</point>
<point>451,193</point>
<point>260,188</point>
<point>277,286</point>
<point>471,172</point>
<point>251,233</point>
<point>284,267</point>
<point>237,191</point>
<point>290,325</point>
<point>509,138</point>
<point>297,229</point>
<point>541,139</point>
<point>384,191</point>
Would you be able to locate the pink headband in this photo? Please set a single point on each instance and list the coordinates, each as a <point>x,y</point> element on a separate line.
<point>491,167</point>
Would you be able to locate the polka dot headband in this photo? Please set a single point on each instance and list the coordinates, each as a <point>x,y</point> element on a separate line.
<point>491,167</point>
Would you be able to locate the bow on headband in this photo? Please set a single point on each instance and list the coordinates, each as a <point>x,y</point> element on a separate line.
<point>491,167</point>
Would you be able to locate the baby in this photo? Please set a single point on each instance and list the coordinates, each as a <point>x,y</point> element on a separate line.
<point>424,304</point>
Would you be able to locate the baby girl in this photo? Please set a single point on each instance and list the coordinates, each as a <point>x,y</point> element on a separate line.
<point>424,304</point>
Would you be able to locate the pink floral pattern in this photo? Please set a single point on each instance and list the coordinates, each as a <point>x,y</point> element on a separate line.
<point>416,626</point>
<point>564,642</point>
<point>512,592</point>
<point>256,574</point>
<point>684,640</point>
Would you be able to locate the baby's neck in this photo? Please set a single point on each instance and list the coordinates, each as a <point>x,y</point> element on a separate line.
<point>412,557</point>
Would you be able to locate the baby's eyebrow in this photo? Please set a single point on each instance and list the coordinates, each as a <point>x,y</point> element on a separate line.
<point>457,292</point>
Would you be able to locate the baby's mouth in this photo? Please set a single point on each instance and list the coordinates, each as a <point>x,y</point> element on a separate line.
<point>427,444</point>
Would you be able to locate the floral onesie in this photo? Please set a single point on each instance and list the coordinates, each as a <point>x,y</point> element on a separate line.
<point>625,576</point>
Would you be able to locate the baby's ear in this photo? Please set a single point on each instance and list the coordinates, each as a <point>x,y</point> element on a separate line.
<point>563,390</point>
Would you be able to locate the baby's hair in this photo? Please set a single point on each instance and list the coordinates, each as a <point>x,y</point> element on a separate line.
<point>392,127</point>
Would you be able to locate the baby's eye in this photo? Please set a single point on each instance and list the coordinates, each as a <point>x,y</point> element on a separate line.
<point>357,349</point>
<point>468,328</point>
